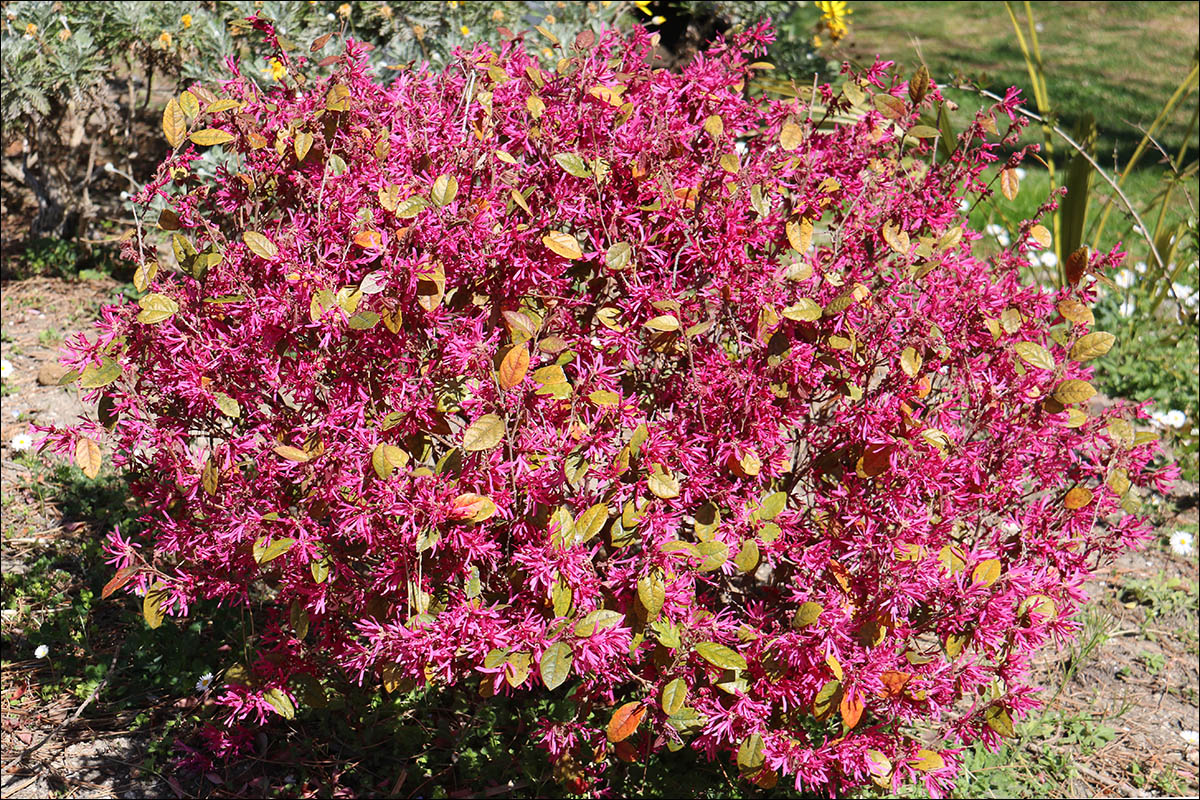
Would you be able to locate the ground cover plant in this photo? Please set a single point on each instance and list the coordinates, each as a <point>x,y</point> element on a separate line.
<point>603,380</point>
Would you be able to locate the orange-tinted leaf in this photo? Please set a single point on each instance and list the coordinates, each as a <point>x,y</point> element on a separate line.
<point>1010,183</point>
<point>473,507</point>
<point>368,240</point>
<point>986,572</point>
<point>122,577</point>
<point>852,709</point>
<point>174,123</point>
<point>625,721</point>
<point>87,457</point>
<point>564,244</point>
<point>894,683</point>
<point>513,367</point>
<point>1078,497</point>
<point>1076,264</point>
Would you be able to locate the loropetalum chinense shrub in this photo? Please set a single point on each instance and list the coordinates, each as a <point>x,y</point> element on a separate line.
<point>607,381</point>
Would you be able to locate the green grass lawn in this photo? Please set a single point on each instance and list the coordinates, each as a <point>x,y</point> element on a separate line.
<point>1120,61</point>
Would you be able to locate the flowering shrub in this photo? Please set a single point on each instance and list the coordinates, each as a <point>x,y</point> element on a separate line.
<point>597,379</point>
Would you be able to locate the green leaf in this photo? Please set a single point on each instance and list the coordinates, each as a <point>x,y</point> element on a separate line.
<point>1074,391</point>
<point>152,605</point>
<point>750,752</point>
<point>827,699</point>
<point>747,557</point>
<point>663,484</point>
<point>720,656</point>
<point>386,459</point>
<point>363,320</point>
<point>573,165</point>
<point>598,620</point>
<point>302,144</point>
<point>713,553</point>
<point>1073,209</point>
<point>211,136</point>
<point>922,132</point>
<point>674,695</point>
<point>260,245</point>
<point>555,666</point>
<point>771,506</point>
<point>591,522</point>
<point>652,591</point>
<point>1093,345</point>
<point>484,433</point>
<point>338,98</point>
<point>445,189</point>
<point>618,256</point>
<point>156,308</point>
<point>808,613</point>
<point>928,760</point>
<point>94,376</point>
<point>1035,355</point>
<point>999,720</point>
<point>406,209</point>
<point>264,551</point>
<point>279,701</point>
<point>228,406</point>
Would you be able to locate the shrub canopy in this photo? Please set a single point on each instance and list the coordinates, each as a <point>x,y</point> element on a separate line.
<point>619,383</point>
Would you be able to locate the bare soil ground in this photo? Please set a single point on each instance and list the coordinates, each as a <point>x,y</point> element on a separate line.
<point>1140,681</point>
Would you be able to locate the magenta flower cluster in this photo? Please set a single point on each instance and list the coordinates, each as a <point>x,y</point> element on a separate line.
<point>585,376</point>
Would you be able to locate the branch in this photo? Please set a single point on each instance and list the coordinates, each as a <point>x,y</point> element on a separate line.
<point>1100,170</point>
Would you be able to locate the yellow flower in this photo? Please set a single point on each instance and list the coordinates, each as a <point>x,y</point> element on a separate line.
<point>275,69</point>
<point>186,19</point>
<point>497,16</point>
<point>385,12</point>
<point>833,17</point>
<point>165,39</point>
<point>344,10</point>
<point>452,3</point>
<point>31,30</point>
<point>464,30</point>
<point>550,19</point>
<point>64,34</point>
<point>643,6</point>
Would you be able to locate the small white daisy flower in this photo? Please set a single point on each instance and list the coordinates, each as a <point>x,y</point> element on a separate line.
<point>1127,308</point>
<point>22,441</point>
<point>6,368</point>
<point>41,652</point>
<point>1021,173</point>
<point>1175,418</point>
<point>1003,239</point>
<point>205,682</point>
<point>1140,266</point>
<point>1124,279</point>
<point>1049,259</point>
<point>1191,737</point>
<point>1182,544</point>
<point>992,229</point>
<point>964,204</point>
